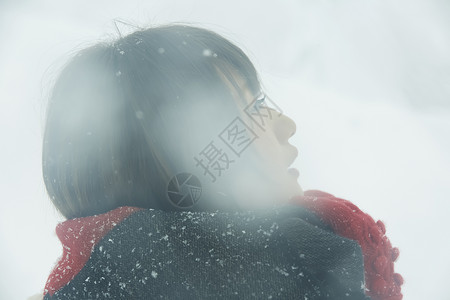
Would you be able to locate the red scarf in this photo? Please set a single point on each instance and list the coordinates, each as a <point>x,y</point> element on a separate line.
<point>347,220</point>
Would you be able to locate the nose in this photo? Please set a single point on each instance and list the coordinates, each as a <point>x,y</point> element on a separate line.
<point>284,128</point>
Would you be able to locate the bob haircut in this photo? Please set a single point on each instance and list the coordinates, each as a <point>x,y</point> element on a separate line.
<point>106,134</point>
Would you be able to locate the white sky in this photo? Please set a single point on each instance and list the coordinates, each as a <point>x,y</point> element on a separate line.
<point>367,82</point>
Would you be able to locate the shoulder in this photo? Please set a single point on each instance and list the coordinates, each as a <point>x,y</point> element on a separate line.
<point>281,247</point>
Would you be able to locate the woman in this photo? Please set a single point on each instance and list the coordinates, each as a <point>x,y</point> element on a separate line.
<point>171,167</point>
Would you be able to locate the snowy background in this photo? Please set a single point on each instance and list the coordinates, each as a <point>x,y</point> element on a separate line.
<point>367,82</point>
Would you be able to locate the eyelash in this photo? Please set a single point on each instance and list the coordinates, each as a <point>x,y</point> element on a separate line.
<point>259,102</point>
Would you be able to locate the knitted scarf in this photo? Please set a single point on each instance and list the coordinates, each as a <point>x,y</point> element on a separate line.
<point>285,252</point>
<point>347,220</point>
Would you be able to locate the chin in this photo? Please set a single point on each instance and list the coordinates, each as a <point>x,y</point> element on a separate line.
<point>295,189</point>
<point>299,191</point>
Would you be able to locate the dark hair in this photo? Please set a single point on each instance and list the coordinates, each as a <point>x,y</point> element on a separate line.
<point>105,140</point>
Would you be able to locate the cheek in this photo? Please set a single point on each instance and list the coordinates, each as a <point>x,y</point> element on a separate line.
<point>268,149</point>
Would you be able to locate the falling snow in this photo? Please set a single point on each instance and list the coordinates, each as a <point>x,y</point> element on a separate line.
<point>183,248</point>
<point>207,52</point>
